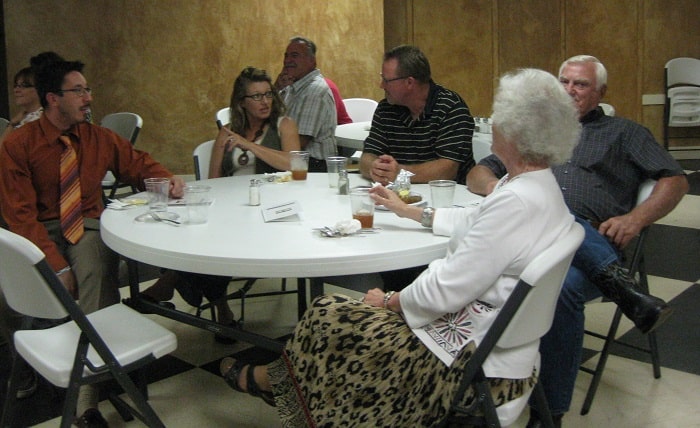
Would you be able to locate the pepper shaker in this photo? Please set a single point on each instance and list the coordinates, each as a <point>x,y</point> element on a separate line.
<point>343,182</point>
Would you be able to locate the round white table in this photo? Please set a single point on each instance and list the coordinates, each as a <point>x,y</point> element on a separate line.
<point>237,241</point>
<point>352,135</point>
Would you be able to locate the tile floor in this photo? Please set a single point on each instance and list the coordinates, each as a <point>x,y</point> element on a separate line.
<point>628,396</point>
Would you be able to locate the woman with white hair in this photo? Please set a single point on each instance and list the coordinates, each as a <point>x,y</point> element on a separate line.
<point>376,362</point>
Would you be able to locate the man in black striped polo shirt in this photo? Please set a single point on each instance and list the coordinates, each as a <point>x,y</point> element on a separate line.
<point>420,126</point>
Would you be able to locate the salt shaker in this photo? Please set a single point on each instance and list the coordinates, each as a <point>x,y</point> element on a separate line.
<point>254,192</point>
<point>343,183</point>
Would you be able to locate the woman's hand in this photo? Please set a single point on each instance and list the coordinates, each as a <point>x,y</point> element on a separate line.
<point>383,196</point>
<point>378,298</point>
<point>374,297</point>
<point>228,139</point>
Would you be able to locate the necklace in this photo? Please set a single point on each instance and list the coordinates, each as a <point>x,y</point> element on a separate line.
<point>243,158</point>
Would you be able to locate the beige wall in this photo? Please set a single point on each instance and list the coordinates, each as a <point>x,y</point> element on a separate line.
<point>174,61</point>
<point>471,42</point>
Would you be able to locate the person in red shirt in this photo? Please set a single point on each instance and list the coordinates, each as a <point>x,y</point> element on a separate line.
<point>30,194</point>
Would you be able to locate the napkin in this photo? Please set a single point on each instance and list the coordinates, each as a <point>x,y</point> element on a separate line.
<point>348,227</point>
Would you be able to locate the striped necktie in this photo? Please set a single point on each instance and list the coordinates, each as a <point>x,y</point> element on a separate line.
<point>71,208</point>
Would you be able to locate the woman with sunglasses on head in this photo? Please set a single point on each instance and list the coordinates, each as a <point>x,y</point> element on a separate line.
<point>27,99</point>
<point>259,137</point>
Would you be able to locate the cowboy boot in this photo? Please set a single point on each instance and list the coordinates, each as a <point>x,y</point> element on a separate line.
<point>647,312</point>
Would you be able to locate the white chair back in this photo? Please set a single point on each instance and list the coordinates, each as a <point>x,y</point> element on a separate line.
<point>20,281</point>
<point>223,117</point>
<point>202,157</point>
<point>683,92</point>
<point>545,274</point>
<point>3,123</point>
<point>645,190</point>
<point>360,109</point>
<point>127,125</point>
<point>683,71</point>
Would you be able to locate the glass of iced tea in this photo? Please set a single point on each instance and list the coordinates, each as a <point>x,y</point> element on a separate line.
<point>300,164</point>
<point>362,207</point>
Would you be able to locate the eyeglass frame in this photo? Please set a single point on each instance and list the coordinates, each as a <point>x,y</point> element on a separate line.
<point>385,80</point>
<point>23,85</point>
<point>258,97</point>
<point>80,92</point>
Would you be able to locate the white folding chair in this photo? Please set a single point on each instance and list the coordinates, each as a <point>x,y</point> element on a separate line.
<point>525,317</point>
<point>682,106</point>
<point>360,109</point>
<point>223,117</point>
<point>635,266</point>
<point>202,157</point>
<point>106,344</point>
<point>128,126</point>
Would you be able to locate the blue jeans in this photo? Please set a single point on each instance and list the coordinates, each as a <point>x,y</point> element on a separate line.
<point>562,346</point>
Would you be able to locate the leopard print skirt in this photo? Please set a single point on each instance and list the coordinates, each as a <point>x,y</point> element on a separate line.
<point>351,364</point>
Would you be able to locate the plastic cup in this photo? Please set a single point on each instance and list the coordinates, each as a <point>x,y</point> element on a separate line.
<point>198,201</point>
<point>300,164</point>
<point>362,207</point>
<point>442,192</point>
<point>157,190</point>
<point>335,164</point>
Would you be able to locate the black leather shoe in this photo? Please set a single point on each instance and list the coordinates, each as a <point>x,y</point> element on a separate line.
<point>647,312</point>
<point>92,418</point>
<point>28,381</point>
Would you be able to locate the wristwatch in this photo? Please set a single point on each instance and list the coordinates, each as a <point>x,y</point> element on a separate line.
<point>426,219</point>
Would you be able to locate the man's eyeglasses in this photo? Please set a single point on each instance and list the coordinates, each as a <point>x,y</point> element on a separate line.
<point>385,80</point>
<point>23,85</point>
<point>81,92</point>
<point>258,97</point>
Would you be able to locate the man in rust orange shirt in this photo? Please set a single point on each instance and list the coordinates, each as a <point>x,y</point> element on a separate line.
<point>30,190</point>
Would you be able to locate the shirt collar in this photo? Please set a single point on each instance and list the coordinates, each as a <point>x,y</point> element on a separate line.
<point>52,133</point>
<point>432,98</point>
<point>593,115</point>
<point>304,81</point>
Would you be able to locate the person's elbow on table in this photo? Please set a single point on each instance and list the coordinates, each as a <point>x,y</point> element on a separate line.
<point>481,180</point>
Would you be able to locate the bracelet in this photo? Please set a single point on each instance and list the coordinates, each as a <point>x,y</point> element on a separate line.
<point>64,270</point>
<point>426,219</point>
<point>387,297</point>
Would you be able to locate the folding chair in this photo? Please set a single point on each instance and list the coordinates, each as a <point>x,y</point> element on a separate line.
<point>128,126</point>
<point>682,87</point>
<point>223,117</point>
<point>107,344</point>
<point>360,109</point>
<point>636,266</point>
<point>526,316</point>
